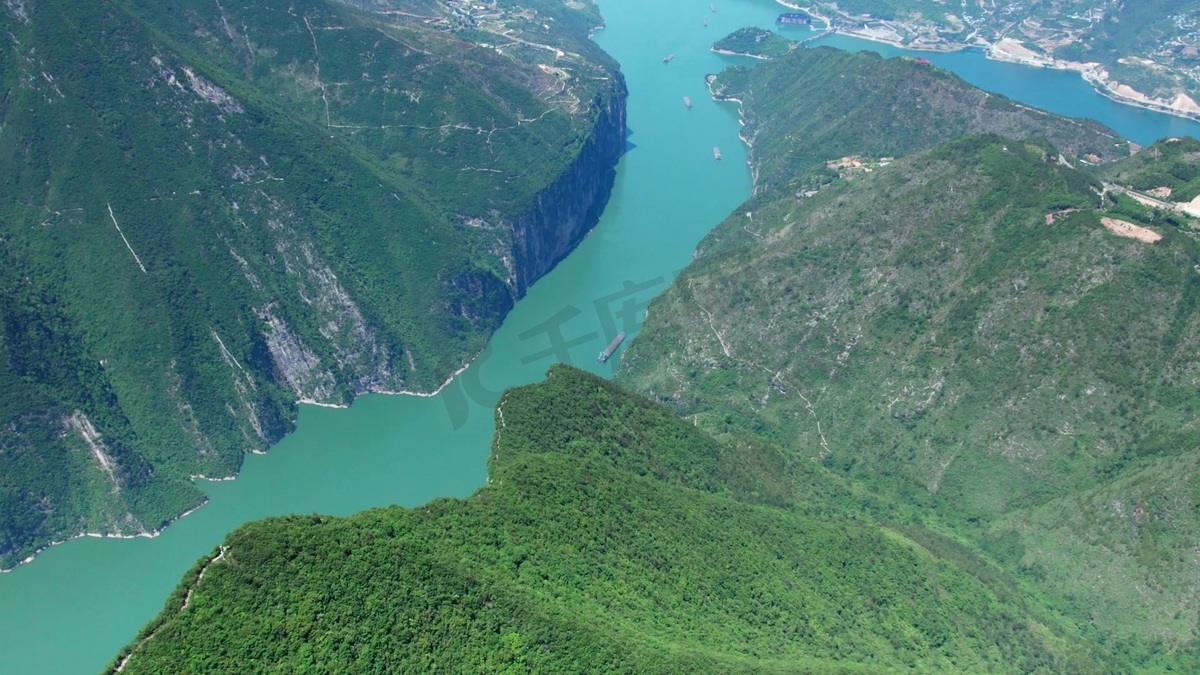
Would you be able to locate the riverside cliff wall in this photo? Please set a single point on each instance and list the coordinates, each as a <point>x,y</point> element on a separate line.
<point>569,208</point>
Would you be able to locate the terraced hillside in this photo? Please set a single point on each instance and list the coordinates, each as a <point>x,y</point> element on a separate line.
<point>211,210</point>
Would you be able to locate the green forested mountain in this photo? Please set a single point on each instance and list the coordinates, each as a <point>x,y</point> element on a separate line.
<point>755,42</point>
<point>813,105</point>
<point>209,210</point>
<point>985,338</point>
<point>613,537</point>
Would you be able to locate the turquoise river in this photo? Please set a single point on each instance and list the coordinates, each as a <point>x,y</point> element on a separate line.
<point>78,603</point>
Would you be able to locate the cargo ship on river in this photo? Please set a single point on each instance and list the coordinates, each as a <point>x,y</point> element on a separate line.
<point>612,347</point>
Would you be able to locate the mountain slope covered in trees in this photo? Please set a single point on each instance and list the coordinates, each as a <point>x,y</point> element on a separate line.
<point>982,335</point>
<point>211,210</point>
<point>813,105</point>
<point>613,537</point>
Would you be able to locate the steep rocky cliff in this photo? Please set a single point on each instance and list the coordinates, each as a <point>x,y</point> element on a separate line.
<point>557,219</point>
<point>569,208</point>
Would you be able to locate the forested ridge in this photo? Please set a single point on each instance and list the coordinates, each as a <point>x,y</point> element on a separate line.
<point>613,537</point>
<point>809,106</point>
<point>208,212</point>
<point>755,42</point>
<point>994,336</point>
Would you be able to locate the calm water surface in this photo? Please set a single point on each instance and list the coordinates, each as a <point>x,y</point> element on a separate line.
<point>74,607</point>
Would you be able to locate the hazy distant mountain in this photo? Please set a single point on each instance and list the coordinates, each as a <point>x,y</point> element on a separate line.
<point>1144,53</point>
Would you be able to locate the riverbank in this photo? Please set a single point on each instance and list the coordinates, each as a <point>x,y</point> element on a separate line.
<point>741,134</point>
<point>1092,73</point>
<point>1182,106</point>
<point>1012,51</point>
<point>419,394</point>
<point>97,535</point>
<point>807,10</point>
<point>728,52</point>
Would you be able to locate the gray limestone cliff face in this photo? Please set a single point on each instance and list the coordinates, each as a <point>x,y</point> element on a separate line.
<point>568,209</point>
<point>349,356</point>
<point>559,218</point>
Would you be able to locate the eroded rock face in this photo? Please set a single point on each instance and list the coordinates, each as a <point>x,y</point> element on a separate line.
<point>561,216</point>
<point>569,208</point>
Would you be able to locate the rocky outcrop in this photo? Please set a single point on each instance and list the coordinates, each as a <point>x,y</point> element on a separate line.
<point>559,218</point>
<point>568,209</point>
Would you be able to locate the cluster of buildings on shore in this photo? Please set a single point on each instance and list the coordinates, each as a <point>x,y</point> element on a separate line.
<point>1055,33</point>
<point>471,13</point>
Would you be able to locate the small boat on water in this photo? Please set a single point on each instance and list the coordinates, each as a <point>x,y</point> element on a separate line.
<point>713,8</point>
<point>716,153</point>
<point>687,101</point>
<point>706,22</point>
<point>612,347</point>
<point>668,58</point>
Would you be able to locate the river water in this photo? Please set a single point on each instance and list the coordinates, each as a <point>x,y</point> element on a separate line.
<point>78,603</point>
